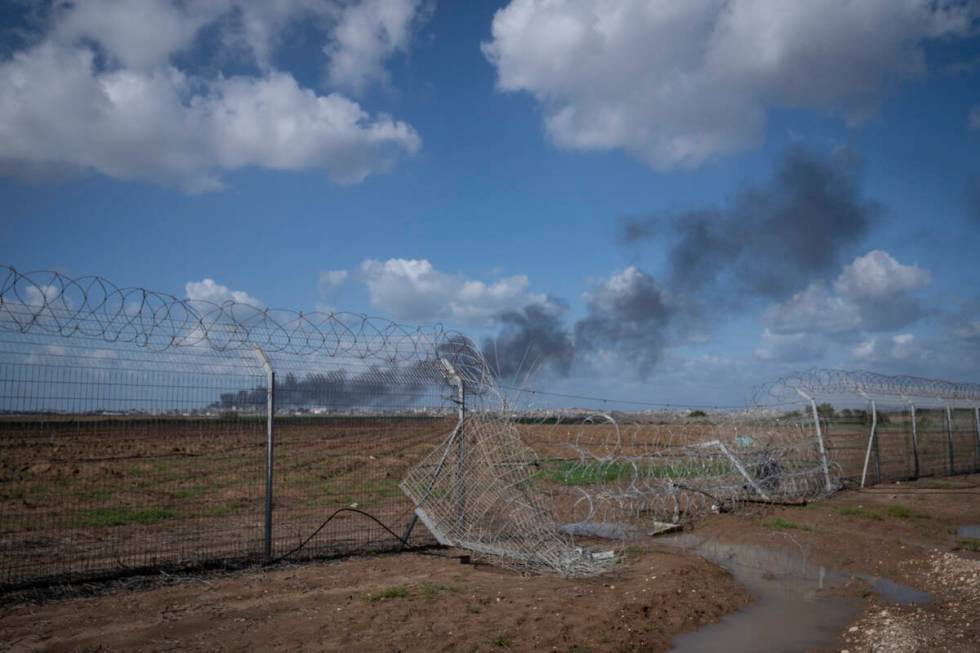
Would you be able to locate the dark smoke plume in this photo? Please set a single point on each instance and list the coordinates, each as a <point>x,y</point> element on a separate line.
<point>532,339</point>
<point>772,240</point>
<point>628,314</point>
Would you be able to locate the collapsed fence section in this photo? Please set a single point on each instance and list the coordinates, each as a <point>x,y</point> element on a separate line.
<point>622,474</point>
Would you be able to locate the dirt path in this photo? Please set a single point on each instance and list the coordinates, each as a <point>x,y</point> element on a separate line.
<point>416,602</point>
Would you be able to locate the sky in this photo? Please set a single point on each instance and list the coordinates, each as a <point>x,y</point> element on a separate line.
<point>644,200</point>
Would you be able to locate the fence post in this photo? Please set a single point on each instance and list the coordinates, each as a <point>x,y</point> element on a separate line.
<point>457,436</point>
<point>871,440</point>
<point>976,423</point>
<point>456,381</point>
<point>820,445</point>
<point>270,411</point>
<point>915,444</point>
<point>949,440</point>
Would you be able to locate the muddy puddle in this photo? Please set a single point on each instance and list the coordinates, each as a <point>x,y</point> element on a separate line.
<point>969,532</point>
<point>796,607</point>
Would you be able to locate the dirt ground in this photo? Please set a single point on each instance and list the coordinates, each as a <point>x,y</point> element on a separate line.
<point>414,602</point>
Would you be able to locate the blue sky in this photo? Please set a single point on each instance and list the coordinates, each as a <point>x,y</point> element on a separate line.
<point>481,164</point>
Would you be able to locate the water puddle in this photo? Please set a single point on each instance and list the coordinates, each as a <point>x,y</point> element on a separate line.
<point>795,608</point>
<point>969,532</point>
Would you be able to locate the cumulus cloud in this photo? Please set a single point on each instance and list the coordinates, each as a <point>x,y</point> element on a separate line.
<point>209,290</point>
<point>789,348</point>
<point>873,293</point>
<point>366,34</point>
<point>678,83</point>
<point>413,289</point>
<point>100,91</point>
<point>772,239</point>
<point>901,348</point>
<point>330,280</point>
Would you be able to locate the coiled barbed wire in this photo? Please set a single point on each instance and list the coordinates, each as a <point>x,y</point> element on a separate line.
<point>861,383</point>
<point>53,303</point>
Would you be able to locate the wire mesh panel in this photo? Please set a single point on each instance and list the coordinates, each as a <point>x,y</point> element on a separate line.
<point>114,457</point>
<point>933,443</point>
<point>923,427</point>
<point>964,440</point>
<point>347,430</point>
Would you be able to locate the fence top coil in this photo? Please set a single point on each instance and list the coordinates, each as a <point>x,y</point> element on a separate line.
<point>822,383</point>
<point>53,303</point>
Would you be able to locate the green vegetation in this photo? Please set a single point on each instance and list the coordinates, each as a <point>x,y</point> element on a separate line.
<point>904,512</point>
<point>970,545</point>
<point>785,524</point>
<point>501,641</point>
<point>860,511</point>
<point>575,472</point>
<point>899,512</point>
<point>697,413</point>
<point>123,516</point>
<point>431,590</point>
<point>388,593</point>
<point>192,492</point>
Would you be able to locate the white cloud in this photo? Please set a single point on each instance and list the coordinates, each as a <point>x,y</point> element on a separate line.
<point>899,348</point>
<point>877,275</point>
<point>208,290</point>
<point>100,92</point>
<point>412,289</point>
<point>678,83</point>
<point>790,348</point>
<point>330,280</point>
<point>872,293</point>
<point>974,120</point>
<point>366,34</point>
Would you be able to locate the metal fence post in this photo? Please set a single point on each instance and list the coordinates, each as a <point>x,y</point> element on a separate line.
<point>452,376</point>
<point>820,445</point>
<point>915,444</point>
<point>871,440</point>
<point>270,412</point>
<point>976,423</point>
<point>949,440</point>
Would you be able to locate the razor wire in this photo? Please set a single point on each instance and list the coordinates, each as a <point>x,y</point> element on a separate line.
<point>860,383</point>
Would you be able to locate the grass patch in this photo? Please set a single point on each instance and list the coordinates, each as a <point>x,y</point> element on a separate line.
<point>859,511</point>
<point>124,516</point>
<point>501,641</point>
<point>970,545</point>
<point>193,492</point>
<point>225,509</point>
<point>431,590</point>
<point>904,512</point>
<point>785,524</point>
<point>576,472</point>
<point>388,593</point>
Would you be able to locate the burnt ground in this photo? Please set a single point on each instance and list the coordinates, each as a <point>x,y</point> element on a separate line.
<point>413,602</point>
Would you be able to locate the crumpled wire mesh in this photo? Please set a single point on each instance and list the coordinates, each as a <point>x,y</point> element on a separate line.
<point>628,474</point>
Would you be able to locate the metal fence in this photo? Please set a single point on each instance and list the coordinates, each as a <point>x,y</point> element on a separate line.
<point>890,428</point>
<point>139,431</point>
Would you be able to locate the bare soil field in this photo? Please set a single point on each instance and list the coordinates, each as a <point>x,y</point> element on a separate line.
<point>907,532</point>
